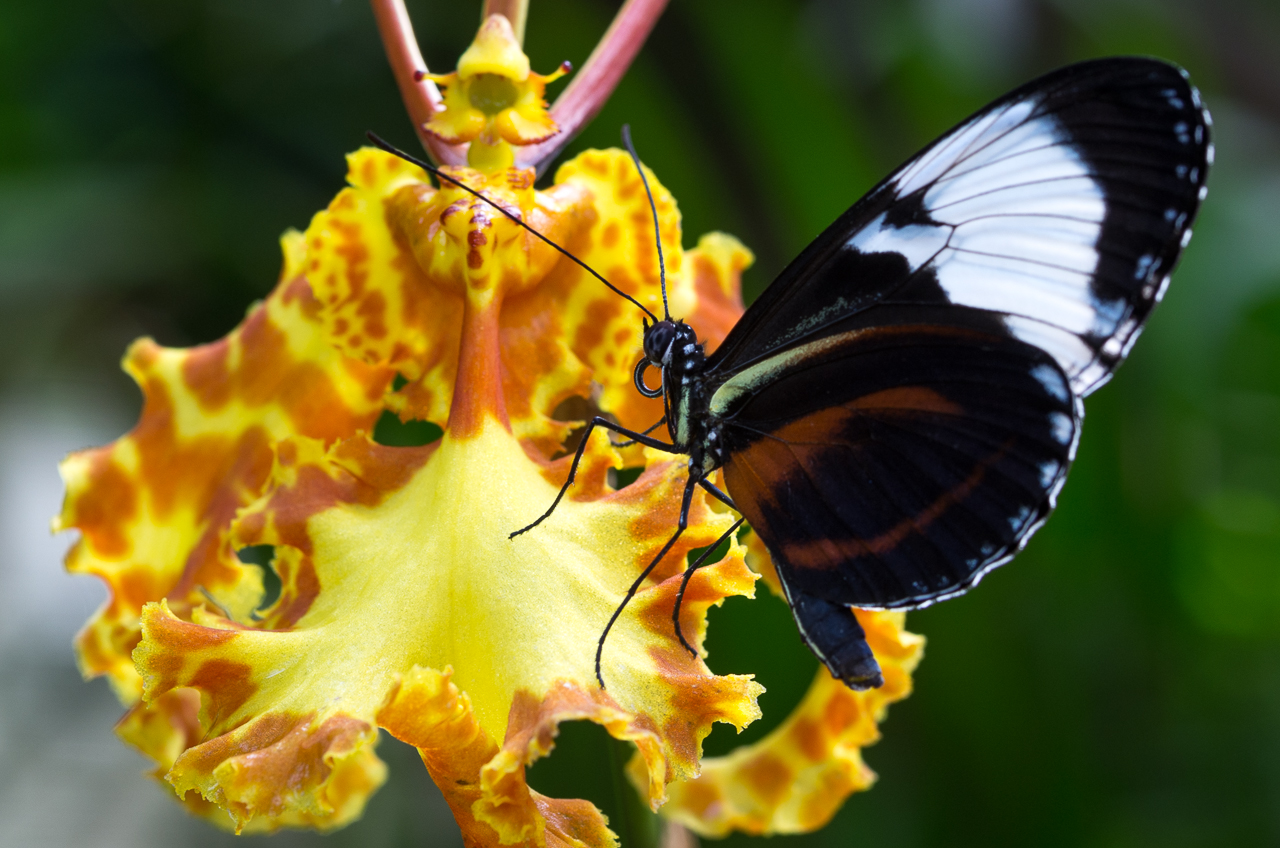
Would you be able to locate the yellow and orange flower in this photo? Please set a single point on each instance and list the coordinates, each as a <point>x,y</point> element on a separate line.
<point>402,602</point>
<point>493,99</point>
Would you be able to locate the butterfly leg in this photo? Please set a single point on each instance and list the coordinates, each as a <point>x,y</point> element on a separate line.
<point>629,442</point>
<point>635,587</point>
<point>605,423</point>
<point>716,493</point>
<point>688,573</point>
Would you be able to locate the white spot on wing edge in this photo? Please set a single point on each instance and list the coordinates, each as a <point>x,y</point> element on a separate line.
<point>1049,472</point>
<point>1062,428</point>
<point>1049,377</point>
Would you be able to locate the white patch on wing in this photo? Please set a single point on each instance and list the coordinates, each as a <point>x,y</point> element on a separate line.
<point>917,242</point>
<point>946,154</point>
<point>1025,214</point>
<point>1064,243</point>
<point>1066,347</point>
<point>1017,287</point>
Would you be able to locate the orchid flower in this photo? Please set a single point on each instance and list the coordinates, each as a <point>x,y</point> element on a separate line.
<point>402,604</point>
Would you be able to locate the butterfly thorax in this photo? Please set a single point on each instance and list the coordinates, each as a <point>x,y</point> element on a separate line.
<point>672,347</point>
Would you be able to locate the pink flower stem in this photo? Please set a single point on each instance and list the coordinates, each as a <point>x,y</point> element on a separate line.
<point>421,97</point>
<point>515,11</point>
<point>590,87</point>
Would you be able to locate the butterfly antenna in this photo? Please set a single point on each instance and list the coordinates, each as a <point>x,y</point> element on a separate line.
<point>653,207</point>
<point>440,175</point>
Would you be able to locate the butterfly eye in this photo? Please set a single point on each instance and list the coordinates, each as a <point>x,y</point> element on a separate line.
<point>657,341</point>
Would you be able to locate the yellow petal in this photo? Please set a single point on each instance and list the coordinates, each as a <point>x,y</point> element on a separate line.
<point>495,51</point>
<point>417,571</point>
<point>458,122</point>
<point>528,125</point>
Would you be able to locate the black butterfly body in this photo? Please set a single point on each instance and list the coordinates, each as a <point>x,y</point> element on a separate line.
<point>896,414</point>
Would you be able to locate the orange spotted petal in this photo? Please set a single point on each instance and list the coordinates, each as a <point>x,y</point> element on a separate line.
<point>703,283</point>
<point>154,506</point>
<point>393,259</point>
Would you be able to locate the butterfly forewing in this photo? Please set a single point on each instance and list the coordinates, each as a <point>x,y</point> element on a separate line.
<point>1060,210</point>
<point>900,407</point>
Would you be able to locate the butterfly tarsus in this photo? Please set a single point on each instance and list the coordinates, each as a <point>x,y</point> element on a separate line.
<point>700,562</point>
<point>605,423</point>
<point>681,525</point>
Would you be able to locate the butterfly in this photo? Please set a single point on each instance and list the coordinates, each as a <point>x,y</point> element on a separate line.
<point>896,414</point>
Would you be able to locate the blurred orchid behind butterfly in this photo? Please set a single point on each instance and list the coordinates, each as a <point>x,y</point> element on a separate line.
<point>896,414</point>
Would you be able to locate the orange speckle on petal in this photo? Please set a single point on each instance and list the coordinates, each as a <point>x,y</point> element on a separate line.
<point>105,519</point>
<point>768,776</point>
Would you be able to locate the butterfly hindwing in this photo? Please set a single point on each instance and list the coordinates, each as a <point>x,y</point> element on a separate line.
<point>897,465</point>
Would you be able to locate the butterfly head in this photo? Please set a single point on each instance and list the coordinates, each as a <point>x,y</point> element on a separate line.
<point>659,339</point>
<point>660,342</point>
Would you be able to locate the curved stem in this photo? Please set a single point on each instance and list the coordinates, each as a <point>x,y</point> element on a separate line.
<point>590,87</point>
<point>515,11</point>
<point>421,97</point>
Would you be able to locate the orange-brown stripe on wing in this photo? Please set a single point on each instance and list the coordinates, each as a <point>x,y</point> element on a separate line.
<point>772,466</point>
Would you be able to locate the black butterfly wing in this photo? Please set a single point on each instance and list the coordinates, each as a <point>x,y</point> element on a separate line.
<point>1061,208</point>
<point>894,465</point>
<point>900,407</point>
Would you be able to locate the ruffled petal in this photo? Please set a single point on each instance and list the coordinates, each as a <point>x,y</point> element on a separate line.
<point>458,122</point>
<point>153,507</point>
<point>796,778</point>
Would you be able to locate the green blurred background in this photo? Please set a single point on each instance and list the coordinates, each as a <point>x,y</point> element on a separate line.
<point>1118,685</point>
